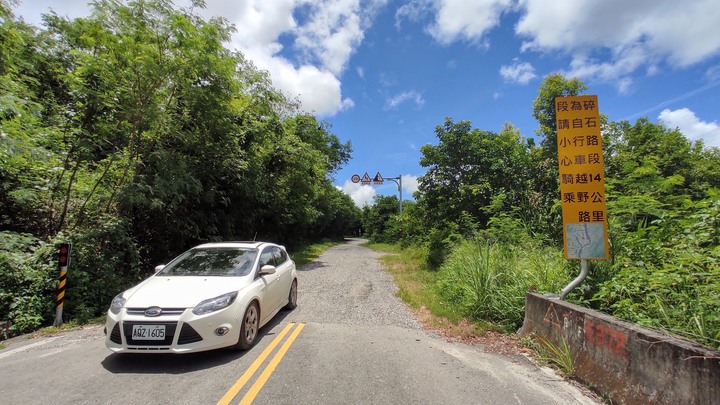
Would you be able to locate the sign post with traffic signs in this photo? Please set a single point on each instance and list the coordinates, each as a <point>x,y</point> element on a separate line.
<point>377,181</point>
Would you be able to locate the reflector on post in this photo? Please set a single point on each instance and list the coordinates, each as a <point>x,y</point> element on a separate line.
<point>64,257</point>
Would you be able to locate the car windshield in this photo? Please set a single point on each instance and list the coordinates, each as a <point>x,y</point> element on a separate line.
<point>224,261</point>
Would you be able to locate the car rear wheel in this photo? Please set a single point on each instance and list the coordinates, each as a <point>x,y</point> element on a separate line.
<point>249,328</point>
<point>292,296</point>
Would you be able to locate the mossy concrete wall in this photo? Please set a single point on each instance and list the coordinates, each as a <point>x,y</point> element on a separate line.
<point>627,363</point>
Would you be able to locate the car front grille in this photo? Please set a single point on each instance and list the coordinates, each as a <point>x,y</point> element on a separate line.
<point>165,311</point>
<point>115,334</point>
<point>188,335</point>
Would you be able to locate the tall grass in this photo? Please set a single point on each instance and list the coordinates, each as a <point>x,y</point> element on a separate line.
<point>488,281</point>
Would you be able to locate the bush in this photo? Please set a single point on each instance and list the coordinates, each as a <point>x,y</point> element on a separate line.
<point>488,281</point>
<point>27,282</point>
<point>105,261</point>
<point>665,275</point>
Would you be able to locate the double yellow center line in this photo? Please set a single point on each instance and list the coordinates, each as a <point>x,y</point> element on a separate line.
<point>260,382</point>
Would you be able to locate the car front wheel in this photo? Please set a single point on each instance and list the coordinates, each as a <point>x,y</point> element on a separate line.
<point>249,327</point>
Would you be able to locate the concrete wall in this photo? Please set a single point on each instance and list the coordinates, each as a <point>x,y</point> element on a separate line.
<point>628,363</point>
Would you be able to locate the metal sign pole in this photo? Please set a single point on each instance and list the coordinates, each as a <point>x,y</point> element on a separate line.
<point>583,273</point>
<point>398,181</point>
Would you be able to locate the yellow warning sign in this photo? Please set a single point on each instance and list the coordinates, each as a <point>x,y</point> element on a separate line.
<point>378,179</point>
<point>582,177</point>
<point>366,179</point>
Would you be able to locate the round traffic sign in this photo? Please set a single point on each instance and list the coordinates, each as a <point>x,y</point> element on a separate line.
<point>355,178</point>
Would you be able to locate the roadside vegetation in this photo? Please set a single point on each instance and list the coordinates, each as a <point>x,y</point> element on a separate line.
<point>485,226</point>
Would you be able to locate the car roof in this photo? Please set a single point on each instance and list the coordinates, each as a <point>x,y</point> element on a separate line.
<point>235,244</point>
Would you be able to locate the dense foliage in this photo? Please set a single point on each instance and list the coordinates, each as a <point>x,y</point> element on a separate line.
<point>488,210</point>
<point>135,134</point>
<point>488,280</point>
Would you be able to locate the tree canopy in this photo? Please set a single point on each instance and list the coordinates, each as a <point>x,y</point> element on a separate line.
<point>135,134</point>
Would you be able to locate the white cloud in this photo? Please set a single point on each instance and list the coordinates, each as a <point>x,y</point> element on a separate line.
<point>325,41</point>
<point>318,90</point>
<point>388,79</point>
<point>607,40</point>
<point>413,11</point>
<point>332,33</point>
<point>633,34</point>
<point>361,195</point>
<point>713,73</point>
<point>691,126</point>
<point>410,184</point>
<point>466,20</point>
<point>412,96</point>
<point>518,72</point>
<point>617,69</point>
<point>258,23</point>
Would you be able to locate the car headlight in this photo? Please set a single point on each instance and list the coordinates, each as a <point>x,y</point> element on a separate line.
<point>215,304</point>
<point>117,304</point>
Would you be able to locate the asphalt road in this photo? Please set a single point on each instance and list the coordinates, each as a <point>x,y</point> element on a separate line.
<point>350,341</point>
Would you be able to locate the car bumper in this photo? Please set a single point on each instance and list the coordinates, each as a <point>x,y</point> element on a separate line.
<point>184,332</point>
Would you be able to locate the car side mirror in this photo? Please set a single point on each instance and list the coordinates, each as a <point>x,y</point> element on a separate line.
<point>267,269</point>
<point>158,268</point>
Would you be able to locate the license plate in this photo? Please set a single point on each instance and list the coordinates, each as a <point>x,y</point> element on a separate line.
<point>148,332</point>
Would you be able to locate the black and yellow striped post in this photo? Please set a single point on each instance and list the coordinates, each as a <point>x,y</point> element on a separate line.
<point>63,262</point>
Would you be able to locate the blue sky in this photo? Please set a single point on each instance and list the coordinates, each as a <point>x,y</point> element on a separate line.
<point>384,73</point>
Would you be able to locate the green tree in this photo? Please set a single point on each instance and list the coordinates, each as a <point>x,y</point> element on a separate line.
<point>546,216</point>
<point>339,215</point>
<point>318,136</point>
<point>27,133</point>
<point>554,85</point>
<point>472,175</point>
<point>468,168</point>
<point>376,219</point>
<point>299,160</point>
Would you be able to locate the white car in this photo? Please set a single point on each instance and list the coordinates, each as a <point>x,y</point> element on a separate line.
<point>212,296</point>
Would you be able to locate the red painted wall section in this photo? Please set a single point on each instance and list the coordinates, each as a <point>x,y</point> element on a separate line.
<point>628,363</point>
<point>605,337</point>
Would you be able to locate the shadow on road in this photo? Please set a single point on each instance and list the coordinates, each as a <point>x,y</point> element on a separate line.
<point>164,363</point>
<point>311,266</point>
